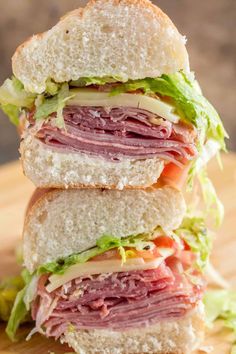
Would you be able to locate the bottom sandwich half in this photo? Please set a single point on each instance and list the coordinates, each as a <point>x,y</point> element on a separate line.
<point>114,271</point>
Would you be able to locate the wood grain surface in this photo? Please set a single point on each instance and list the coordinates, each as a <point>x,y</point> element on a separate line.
<point>15,191</point>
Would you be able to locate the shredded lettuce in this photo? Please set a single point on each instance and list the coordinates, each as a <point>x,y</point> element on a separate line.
<point>214,207</point>
<point>183,91</point>
<point>195,234</point>
<point>9,288</point>
<point>20,309</point>
<point>87,81</point>
<point>12,92</point>
<point>13,98</point>
<point>221,305</point>
<point>192,231</point>
<point>215,278</point>
<point>52,87</point>
<point>12,112</point>
<point>210,149</point>
<point>104,244</point>
<point>47,106</point>
<point>30,291</point>
<point>18,315</point>
<point>190,104</point>
<point>26,276</point>
<point>26,295</point>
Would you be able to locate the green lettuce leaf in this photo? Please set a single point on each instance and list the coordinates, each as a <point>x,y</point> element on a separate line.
<point>52,87</point>
<point>183,91</point>
<point>31,290</point>
<point>12,112</point>
<point>195,234</point>
<point>47,106</point>
<point>192,230</point>
<point>9,288</point>
<point>12,92</point>
<point>18,315</point>
<point>20,309</point>
<point>87,81</point>
<point>13,98</point>
<point>104,244</point>
<point>190,104</point>
<point>62,97</point>
<point>221,305</point>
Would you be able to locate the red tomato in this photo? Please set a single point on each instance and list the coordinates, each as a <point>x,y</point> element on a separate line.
<point>175,175</point>
<point>164,242</point>
<point>186,246</point>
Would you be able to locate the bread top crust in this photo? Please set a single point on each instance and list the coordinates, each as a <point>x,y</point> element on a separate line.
<point>103,39</point>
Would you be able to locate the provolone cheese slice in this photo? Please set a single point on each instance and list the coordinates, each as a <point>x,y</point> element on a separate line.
<point>99,267</point>
<point>90,97</point>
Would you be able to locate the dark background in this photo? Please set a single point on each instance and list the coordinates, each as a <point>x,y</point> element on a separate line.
<point>210,26</point>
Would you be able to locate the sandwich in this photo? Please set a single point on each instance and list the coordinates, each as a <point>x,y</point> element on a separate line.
<point>106,99</point>
<point>113,124</point>
<point>112,271</point>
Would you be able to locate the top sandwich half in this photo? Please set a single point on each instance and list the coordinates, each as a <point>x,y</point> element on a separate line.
<point>106,99</point>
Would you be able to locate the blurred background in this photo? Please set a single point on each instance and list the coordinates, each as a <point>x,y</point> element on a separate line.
<point>210,26</point>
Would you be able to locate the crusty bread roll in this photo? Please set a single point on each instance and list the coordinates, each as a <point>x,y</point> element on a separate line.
<point>179,336</point>
<point>129,39</point>
<point>47,167</point>
<point>62,222</point>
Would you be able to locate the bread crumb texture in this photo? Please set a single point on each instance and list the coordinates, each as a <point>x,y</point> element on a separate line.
<point>47,167</point>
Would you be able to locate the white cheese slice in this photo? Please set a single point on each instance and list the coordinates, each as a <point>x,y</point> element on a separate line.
<point>101,267</point>
<point>91,97</point>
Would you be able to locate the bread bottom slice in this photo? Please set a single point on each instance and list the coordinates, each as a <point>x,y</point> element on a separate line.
<point>178,336</point>
<point>50,168</point>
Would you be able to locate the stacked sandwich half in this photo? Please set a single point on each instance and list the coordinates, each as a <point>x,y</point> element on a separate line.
<point>114,128</point>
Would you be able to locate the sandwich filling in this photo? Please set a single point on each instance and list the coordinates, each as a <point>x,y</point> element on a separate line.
<point>116,301</point>
<point>120,284</point>
<point>115,133</point>
<point>165,117</point>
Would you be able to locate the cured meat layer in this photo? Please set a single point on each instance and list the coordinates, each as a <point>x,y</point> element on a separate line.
<point>117,301</point>
<point>120,132</point>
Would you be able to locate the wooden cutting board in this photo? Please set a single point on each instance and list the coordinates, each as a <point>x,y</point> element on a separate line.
<point>15,191</point>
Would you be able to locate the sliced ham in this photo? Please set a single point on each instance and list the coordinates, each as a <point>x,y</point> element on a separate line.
<point>120,132</point>
<point>117,301</point>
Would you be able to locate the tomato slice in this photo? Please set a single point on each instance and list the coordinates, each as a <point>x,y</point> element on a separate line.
<point>130,252</point>
<point>175,175</point>
<point>164,242</point>
<point>146,254</point>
